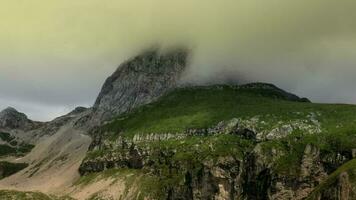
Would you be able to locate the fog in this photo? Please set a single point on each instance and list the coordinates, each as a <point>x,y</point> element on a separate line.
<point>54,55</point>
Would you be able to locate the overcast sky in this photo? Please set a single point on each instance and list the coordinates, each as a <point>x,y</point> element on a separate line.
<point>55,55</point>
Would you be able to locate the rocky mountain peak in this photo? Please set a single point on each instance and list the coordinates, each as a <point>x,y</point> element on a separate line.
<point>139,81</point>
<point>11,118</point>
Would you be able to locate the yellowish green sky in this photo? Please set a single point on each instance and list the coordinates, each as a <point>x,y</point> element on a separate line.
<point>55,54</point>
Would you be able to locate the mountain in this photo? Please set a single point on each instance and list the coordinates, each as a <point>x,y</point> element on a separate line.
<point>139,81</point>
<point>12,119</point>
<point>59,146</point>
<point>52,152</point>
<point>150,137</point>
<point>13,125</point>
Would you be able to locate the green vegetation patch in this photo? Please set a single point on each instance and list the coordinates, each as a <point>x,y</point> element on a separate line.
<point>6,137</point>
<point>291,148</point>
<point>199,148</point>
<point>203,107</point>
<point>17,195</point>
<point>25,148</point>
<point>110,173</point>
<point>7,150</point>
<point>13,147</point>
<point>8,169</point>
<point>21,150</point>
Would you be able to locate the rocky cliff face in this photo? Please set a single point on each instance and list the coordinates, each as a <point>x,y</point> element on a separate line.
<point>139,81</point>
<point>227,161</point>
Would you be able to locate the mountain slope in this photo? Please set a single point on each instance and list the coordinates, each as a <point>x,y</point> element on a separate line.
<point>54,160</point>
<point>225,142</point>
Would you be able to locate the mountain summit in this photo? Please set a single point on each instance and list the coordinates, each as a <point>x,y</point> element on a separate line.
<point>139,81</point>
<point>11,118</point>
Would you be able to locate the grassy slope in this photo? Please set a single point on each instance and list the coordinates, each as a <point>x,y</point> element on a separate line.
<point>7,169</point>
<point>203,107</point>
<point>16,195</point>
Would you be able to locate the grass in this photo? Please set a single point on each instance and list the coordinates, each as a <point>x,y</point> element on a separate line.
<point>203,147</point>
<point>25,148</point>
<point>7,150</point>
<point>13,148</point>
<point>7,168</point>
<point>201,108</point>
<point>22,149</point>
<point>6,137</point>
<point>17,195</point>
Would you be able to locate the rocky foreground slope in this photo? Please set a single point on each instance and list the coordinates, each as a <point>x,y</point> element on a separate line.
<point>148,138</point>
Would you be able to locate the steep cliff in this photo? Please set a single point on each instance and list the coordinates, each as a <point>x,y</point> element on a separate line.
<point>139,81</point>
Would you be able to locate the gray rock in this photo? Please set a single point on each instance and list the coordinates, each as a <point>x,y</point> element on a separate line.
<point>10,118</point>
<point>139,81</point>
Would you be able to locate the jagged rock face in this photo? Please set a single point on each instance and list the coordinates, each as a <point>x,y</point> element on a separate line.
<point>216,179</point>
<point>139,81</point>
<point>342,189</point>
<point>253,176</point>
<point>12,119</point>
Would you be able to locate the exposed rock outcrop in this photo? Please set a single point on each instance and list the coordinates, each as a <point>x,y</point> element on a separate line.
<point>255,175</point>
<point>139,81</point>
<point>341,189</point>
